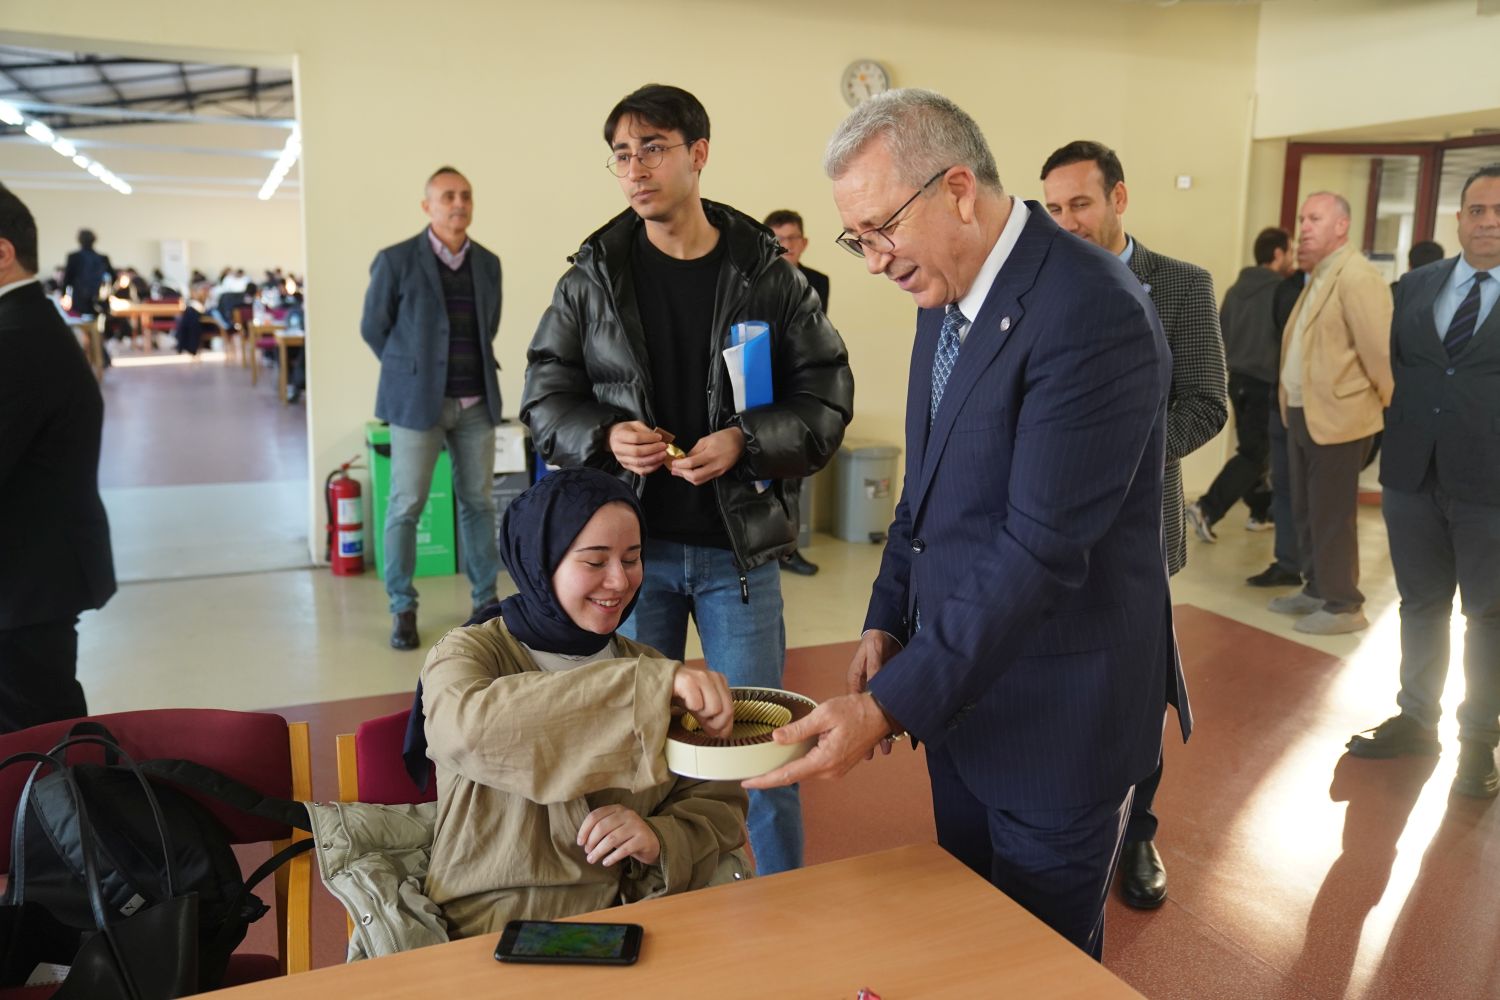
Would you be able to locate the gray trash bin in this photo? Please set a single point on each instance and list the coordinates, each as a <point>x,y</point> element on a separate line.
<point>867,490</point>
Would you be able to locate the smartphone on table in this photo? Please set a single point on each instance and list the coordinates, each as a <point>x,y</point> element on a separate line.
<point>569,943</point>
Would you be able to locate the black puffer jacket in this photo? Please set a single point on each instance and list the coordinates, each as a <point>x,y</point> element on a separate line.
<point>587,369</point>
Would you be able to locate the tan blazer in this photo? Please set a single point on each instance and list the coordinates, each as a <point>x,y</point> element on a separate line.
<point>1346,358</point>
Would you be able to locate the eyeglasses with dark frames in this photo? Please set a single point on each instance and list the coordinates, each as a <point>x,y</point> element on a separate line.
<point>878,240</point>
<point>650,157</point>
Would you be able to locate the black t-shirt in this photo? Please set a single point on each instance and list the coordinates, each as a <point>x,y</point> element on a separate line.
<point>676,303</point>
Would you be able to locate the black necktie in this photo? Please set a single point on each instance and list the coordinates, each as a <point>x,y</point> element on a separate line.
<point>1461,330</point>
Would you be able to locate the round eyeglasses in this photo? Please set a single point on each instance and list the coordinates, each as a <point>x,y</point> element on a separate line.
<point>650,157</point>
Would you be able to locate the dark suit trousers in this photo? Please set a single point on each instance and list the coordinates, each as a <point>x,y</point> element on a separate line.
<point>1058,864</point>
<point>37,675</point>
<point>1244,475</point>
<point>1325,502</point>
<point>1288,556</point>
<point>1439,545</point>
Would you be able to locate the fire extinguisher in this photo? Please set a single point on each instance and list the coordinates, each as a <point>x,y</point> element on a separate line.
<point>346,533</point>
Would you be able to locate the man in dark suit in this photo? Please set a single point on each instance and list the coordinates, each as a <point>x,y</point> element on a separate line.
<point>431,315</point>
<point>1083,186</point>
<point>787,225</point>
<point>86,271</point>
<point>1440,479</point>
<point>54,537</point>
<point>1020,625</point>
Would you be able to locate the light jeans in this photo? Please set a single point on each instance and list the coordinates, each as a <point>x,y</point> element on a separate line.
<point>744,642</point>
<point>470,438</point>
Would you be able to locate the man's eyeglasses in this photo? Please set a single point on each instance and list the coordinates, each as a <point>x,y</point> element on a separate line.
<point>650,157</point>
<point>878,240</point>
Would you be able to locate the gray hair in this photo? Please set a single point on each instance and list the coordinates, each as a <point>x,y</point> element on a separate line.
<point>924,132</point>
<point>1339,201</point>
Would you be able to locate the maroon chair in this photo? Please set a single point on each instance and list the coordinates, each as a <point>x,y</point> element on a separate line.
<point>258,749</point>
<point>371,768</point>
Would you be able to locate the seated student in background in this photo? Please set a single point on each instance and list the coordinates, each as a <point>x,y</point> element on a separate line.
<point>549,731</point>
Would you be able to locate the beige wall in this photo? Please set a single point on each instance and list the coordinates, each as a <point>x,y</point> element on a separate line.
<point>515,95</point>
<point>1341,64</point>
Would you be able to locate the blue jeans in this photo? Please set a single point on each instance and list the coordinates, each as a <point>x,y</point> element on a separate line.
<point>744,642</point>
<point>470,438</point>
<point>1288,552</point>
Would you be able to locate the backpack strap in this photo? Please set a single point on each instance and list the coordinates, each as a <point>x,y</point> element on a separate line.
<point>224,939</point>
<point>216,785</point>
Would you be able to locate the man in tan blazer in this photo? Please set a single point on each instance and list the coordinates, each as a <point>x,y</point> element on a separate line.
<point>1334,387</point>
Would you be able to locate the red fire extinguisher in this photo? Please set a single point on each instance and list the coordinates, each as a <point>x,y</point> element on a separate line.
<point>346,514</point>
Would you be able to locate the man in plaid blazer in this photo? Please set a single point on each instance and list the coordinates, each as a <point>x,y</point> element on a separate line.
<point>1084,190</point>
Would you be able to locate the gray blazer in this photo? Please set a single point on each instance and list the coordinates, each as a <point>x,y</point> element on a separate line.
<point>1444,412</point>
<point>1198,403</point>
<point>405,322</point>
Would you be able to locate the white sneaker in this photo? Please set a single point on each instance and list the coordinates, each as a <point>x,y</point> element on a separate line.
<point>1298,603</point>
<point>1332,623</point>
<point>1201,527</point>
<point>1256,524</point>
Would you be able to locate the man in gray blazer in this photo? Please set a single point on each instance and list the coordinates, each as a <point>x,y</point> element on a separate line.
<point>431,315</point>
<point>1440,479</point>
<point>1083,187</point>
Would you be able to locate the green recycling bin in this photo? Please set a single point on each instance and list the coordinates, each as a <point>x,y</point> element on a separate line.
<point>436,551</point>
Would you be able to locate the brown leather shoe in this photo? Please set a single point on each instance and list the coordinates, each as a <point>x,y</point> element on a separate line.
<point>1398,736</point>
<point>404,630</point>
<point>1477,776</point>
<point>1143,878</point>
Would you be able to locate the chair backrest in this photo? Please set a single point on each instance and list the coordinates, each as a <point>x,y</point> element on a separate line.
<point>377,771</point>
<point>242,316</point>
<point>257,749</point>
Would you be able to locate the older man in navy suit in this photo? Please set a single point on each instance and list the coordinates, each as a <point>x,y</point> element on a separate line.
<point>1020,625</point>
<point>431,315</point>
<point>1440,473</point>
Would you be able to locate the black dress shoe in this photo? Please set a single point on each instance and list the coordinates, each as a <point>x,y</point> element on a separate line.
<point>1275,575</point>
<point>404,630</point>
<point>797,564</point>
<point>479,608</point>
<point>1143,878</point>
<point>1477,776</point>
<point>1398,736</point>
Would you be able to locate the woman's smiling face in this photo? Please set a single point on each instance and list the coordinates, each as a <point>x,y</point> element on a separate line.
<point>599,576</point>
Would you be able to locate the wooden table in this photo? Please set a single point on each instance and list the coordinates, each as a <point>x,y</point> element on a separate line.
<point>283,341</point>
<point>139,312</point>
<point>911,922</point>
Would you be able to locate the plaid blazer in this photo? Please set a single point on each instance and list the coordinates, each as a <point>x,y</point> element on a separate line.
<point>1198,402</point>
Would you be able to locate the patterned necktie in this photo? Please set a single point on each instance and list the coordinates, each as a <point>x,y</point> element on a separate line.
<point>1461,330</point>
<point>945,356</point>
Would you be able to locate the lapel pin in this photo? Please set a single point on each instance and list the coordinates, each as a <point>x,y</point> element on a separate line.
<point>1004,323</point>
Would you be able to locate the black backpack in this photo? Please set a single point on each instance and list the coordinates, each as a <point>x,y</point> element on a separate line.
<point>129,846</point>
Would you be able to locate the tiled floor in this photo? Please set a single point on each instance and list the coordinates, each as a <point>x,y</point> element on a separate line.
<point>1296,872</point>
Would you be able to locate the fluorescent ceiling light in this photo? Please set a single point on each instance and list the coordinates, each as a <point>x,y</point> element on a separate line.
<point>289,154</point>
<point>41,133</point>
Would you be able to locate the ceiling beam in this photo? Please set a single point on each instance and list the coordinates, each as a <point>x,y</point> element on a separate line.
<point>125,114</point>
<point>187,88</point>
<point>104,79</point>
<point>21,88</point>
<point>57,88</point>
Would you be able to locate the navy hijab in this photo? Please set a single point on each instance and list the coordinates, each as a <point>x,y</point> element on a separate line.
<point>537,531</point>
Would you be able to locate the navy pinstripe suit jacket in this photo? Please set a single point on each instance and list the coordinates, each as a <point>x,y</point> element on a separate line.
<point>1029,533</point>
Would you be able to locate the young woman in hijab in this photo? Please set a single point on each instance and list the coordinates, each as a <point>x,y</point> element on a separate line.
<point>548,731</point>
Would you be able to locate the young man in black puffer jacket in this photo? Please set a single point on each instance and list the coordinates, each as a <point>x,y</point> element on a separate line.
<point>632,346</point>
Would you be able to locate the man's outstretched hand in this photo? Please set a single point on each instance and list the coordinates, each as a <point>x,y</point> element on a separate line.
<point>847,729</point>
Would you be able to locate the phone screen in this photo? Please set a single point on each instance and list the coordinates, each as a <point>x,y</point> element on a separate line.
<point>548,941</point>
